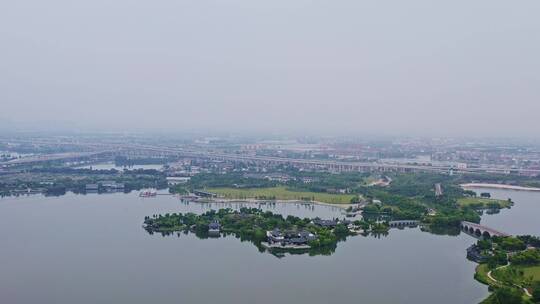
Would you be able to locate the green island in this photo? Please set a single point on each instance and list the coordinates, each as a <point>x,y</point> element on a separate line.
<point>484,203</point>
<point>408,196</point>
<point>265,229</point>
<point>57,181</point>
<point>510,266</point>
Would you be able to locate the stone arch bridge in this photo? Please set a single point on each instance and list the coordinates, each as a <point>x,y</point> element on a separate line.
<point>403,223</point>
<point>480,230</point>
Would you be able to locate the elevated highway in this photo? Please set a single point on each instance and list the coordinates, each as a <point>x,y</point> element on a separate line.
<point>329,164</point>
<point>339,166</point>
<point>50,157</point>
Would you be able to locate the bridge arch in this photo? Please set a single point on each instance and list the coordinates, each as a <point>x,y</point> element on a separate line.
<point>480,230</point>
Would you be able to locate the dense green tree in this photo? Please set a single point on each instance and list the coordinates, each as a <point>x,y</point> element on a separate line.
<point>526,257</point>
<point>511,244</point>
<point>536,292</point>
<point>484,244</point>
<point>507,295</point>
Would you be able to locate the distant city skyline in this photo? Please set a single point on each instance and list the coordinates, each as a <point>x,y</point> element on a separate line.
<point>302,67</point>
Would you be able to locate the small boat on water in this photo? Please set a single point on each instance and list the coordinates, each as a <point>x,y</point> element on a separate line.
<point>148,193</point>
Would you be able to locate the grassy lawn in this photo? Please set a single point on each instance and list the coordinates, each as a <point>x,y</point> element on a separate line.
<point>508,273</point>
<point>282,193</point>
<point>482,202</point>
<point>520,275</point>
<point>528,271</point>
<point>481,275</point>
<point>533,271</point>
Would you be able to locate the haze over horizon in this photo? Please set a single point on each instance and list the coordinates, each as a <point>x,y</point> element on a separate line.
<point>353,67</point>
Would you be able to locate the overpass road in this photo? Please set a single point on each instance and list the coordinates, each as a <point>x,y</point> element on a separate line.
<point>200,154</point>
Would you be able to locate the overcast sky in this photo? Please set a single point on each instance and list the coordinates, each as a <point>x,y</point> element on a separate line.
<point>346,67</point>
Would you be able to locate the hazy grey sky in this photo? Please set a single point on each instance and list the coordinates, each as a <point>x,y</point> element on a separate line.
<point>391,67</point>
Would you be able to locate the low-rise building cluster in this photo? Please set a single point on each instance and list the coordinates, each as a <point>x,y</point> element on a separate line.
<point>289,238</point>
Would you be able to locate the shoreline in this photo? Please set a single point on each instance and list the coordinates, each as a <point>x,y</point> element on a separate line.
<point>498,186</point>
<point>257,201</point>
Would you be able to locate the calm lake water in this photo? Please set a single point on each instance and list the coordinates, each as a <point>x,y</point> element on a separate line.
<point>522,218</point>
<point>92,249</point>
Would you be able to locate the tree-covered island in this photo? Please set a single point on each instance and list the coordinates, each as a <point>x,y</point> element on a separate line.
<point>264,228</point>
<point>510,266</point>
<point>402,196</point>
